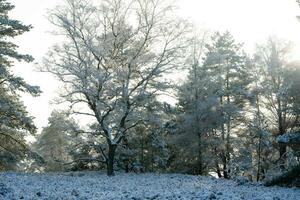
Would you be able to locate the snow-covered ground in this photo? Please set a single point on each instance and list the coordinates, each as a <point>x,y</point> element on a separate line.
<point>97,186</point>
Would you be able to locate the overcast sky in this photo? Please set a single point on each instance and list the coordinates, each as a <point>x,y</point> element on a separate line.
<point>250,21</point>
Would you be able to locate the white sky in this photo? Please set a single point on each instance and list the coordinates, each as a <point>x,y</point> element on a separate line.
<point>250,21</point>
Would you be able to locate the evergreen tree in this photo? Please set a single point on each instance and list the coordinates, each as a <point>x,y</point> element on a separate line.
<point>13,115</point>
<point>146,148</point>
<point>198,115</point>
<point>56,141</point>
<point>227,66</point>
<point>212,102</point>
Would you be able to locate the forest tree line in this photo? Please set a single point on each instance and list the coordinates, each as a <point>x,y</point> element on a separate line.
<point>236,114</point>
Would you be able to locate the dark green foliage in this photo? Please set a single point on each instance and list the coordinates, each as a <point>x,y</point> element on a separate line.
<point>15,121</point>
<point>57,141</point>
<point>289,178</point>
<point>212,102</point>
<point>12,111</point>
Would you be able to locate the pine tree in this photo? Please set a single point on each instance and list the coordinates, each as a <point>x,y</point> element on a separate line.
<point>56,141</point>
<point>226,64</point>
<point>199,114</point>
<point>13,115</point>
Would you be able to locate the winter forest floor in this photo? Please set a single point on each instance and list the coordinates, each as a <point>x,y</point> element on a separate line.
<point>97,186</point>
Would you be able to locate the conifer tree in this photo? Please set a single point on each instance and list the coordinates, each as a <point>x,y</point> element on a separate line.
<point>13,115</point>
<point>226,65</point>
<point>57,140</point>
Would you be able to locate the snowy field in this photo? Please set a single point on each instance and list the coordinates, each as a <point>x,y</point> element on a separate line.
<point>96,186</point>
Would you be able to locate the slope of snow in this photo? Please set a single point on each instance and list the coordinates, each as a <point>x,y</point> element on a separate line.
<point>97,186</point>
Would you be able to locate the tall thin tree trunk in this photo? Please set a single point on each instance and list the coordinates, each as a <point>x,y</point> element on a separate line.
<point>259,150</point>
<point>200,159</point>
<point>224,148</point>
<point>281,124</point>
<point>142,153</point>
<point>227,155</point>
<point>126,160</point>
<point>111,157</point>
<point>281,129</point>
<point>152,160</point>
<point>259,160</point>
<point>228,127</point>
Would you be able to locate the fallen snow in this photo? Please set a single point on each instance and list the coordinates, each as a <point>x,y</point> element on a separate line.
<point>97,186</point>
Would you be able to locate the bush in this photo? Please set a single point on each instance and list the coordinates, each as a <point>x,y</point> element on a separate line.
<point>289,178</point>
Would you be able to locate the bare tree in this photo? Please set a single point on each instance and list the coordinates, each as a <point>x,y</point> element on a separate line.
<point>113,60</point>
<point>274,61</point>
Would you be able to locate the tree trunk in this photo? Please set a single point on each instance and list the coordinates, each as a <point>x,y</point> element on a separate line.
<point>200,159</point>
<point>260,140</point>
<point>282,131</point>
<point>127,159</point>
<point>228,131</point>
<point>227,155</point>
<point>142,153</point>
<point>259,160</point>
<point>218,170</point>
<point>223,152</point>
<point>126,167</point>
<point>111,157</point>
<point>225,172</point>
<point>282,155</point>
<point>152,160</point>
